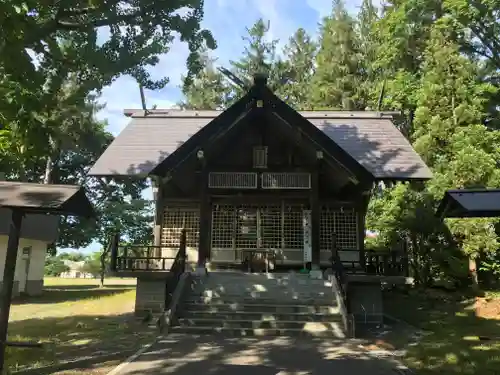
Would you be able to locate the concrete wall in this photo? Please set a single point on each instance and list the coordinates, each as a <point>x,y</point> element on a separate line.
<point>365,302</point>
<point>29,267</point>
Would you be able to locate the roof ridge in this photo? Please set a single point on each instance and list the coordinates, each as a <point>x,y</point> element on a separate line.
<point>211,113</point>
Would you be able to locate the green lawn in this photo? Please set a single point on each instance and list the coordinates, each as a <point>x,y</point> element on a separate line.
<point>459,340</point>
<point>75,318</point>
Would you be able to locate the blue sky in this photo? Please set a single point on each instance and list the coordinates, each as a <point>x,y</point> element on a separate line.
<point>228,20</point>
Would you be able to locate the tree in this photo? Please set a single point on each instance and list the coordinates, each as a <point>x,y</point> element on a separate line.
<point>73,256</point>
<point>336,79</point>
<point>299,56</point>
<point>259,56</point>
<point>450,136</point>
<point>92,264</point>
<point>64,39</point>
<point>367,45</point>
<point>208,89</point>
<point>54,266</point>
<point>64,36</point>
<point>75,145</point>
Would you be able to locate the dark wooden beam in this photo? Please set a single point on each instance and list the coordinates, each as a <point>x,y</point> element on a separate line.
<point>205,216</point>
<point>8,279</point>
<point>315,217</point>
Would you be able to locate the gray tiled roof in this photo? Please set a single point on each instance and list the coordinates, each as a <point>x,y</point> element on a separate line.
<point>369,137</point>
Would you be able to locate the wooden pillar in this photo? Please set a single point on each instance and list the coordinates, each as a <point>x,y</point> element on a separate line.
<point>158,197</point>
<point>361,224</point>
<point>205,219</point>
<point>315,220</point>
<point>8,279</point>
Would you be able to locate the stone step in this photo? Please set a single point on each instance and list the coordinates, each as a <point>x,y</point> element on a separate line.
<point>214,284</point>
<point>260,316</point>
<point>257,291</point>
<point>203,330</point>
<point>261,324</point>
<point>247,300</point>
<point>282,295</point>
<point>259,307</point>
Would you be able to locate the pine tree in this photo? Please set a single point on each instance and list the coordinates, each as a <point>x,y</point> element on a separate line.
<point>259,56</point>
<point>366,23</point>
<point>208,89</point>
<point>299,60</point>
<point>451,138</point>
<point>336,80</point>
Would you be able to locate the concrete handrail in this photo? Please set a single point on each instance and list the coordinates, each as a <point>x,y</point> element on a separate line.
<point>341,303</point>
<point>168,316</point>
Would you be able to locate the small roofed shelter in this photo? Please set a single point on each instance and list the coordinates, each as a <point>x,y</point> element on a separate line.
<point>261,176</point>
<point>38,231</point>
<point>30,198</point>
<point>462,203</point>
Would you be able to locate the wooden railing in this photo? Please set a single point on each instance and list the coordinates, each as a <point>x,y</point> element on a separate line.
<point>386,263</point>
<point>177,269</point>
<point>390,263</point>
<point>142,258</point>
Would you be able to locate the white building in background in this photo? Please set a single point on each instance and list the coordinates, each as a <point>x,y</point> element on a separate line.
<point>75,270</point>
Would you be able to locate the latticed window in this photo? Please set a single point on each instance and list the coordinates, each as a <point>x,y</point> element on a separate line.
<point>223,217</point>
<point>343,223</point>
<point>293,231</point>
<point>174,220</point>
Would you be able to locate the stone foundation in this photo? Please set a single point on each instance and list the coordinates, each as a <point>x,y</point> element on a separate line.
<point>34,287</point>
<point>150,296</point>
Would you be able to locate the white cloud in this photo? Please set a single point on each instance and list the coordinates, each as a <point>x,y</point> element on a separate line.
<point>323,7</point>
<point>172,64</point>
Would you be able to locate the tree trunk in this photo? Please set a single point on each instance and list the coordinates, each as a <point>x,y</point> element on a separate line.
<point>48,171</point>
<point>473,274</point>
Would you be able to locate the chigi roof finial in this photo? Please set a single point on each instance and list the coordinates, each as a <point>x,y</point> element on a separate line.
<point>260,79</point>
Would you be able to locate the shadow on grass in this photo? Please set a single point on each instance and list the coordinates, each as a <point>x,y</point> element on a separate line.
<point>212,354</point>
<point>55,294</point>
<point>456,340</point>
<point>75,337</point>
<point>87,286</point>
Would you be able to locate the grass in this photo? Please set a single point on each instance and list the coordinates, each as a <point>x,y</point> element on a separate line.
<point>75,318</point>
<point>462,334</point>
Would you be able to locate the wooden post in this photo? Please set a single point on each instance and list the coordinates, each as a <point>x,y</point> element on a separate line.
<point>315,222</point>
<point>115,240</point>
<point>8,279</point>
<point>205,219</point>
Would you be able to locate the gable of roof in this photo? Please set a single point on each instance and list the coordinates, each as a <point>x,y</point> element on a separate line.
<point>368,137</point>
<point>38,227</point>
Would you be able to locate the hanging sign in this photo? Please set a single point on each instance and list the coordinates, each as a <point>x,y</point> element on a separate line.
<point>306,227</point>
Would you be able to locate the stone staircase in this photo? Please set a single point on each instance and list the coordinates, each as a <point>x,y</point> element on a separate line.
<point>260,305</point>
